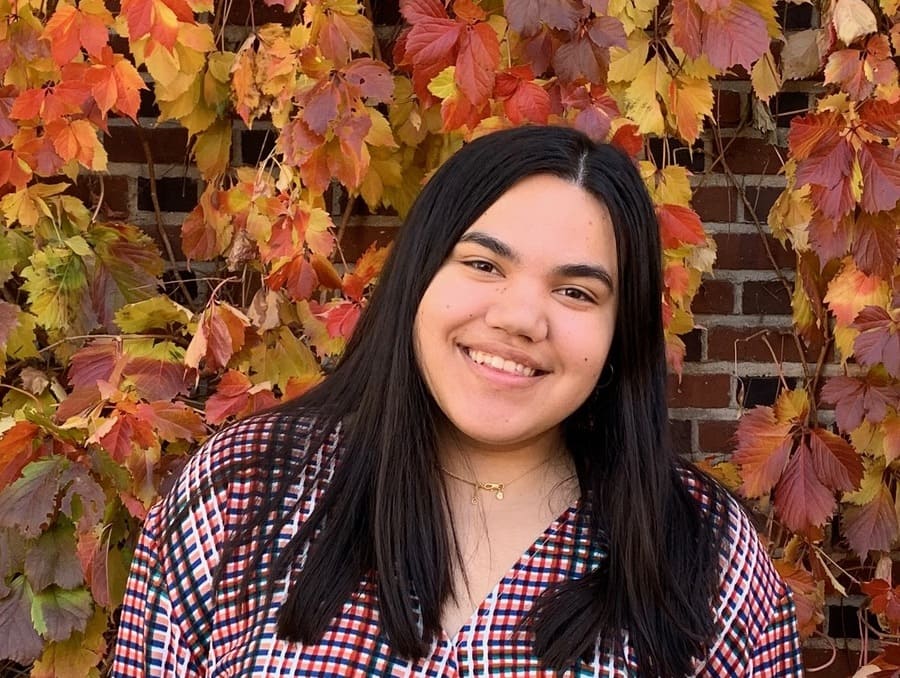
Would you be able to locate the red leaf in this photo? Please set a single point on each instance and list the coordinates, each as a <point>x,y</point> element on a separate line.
<point>829,164</point>
<point>829,236</point>
<point>881,177</point>
<point>431,46</point>
<point>875,247</point>
<point>579,60</point>
<point>95,362</point>
<point>28,104</point>
<point>526,16</point>
<point>836,462</point>
<point>880,117</point>
<point>297,276</point>
<point>372,79</point>
<point>158,18</point>
<point>679,226</point>
<point>734,34</point>
<point>872,527</point>
<point>231,397</point>
<point>686,20</point>
<point>878,340</point>
<point>477,62</point>
<point>857,398</point>
<point>813,132</point>
<point>173,421</point>
<point>801,500</point>
<point>415,11</point>
<point>78,402</point>
<point>159,379</point>
<point>763,448</point>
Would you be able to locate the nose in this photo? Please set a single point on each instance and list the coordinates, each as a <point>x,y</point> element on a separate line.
<point>518,311</point>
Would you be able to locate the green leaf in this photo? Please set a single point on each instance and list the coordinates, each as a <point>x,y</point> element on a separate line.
<point>52,560</point>
<point>56,283</point>
<point>154,313</point>
<point>18,639</point>
<point>58,613</point>
<point>15,248</point>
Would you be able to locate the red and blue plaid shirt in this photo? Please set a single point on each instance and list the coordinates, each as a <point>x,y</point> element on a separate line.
<point>175,622</point>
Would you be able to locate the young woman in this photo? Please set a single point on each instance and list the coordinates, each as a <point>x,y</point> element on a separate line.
<point>485,485</point>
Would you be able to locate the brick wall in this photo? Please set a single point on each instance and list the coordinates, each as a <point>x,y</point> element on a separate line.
<point>743,312</point>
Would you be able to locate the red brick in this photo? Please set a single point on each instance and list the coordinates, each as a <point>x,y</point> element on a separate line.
<point>168,145</point>
<point>761,198</point>
<point>737,251</point>
<point>716,437</point>
<point>749,344</point>
<point>748,156</point>
<point>700,390</point>
<point>715,203</point>
<point>765,297</point>
<point>728,108</point>
<point>714,296</point>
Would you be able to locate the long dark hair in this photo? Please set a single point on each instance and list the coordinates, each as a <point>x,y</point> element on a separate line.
<point>383,513</point>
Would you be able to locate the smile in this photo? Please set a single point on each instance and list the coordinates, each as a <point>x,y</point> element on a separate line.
<point>498,363</point>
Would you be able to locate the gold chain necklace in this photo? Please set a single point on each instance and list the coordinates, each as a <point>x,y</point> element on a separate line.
<point>496,488</point>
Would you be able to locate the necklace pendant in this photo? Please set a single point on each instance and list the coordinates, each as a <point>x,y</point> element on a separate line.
<point>496,488</point>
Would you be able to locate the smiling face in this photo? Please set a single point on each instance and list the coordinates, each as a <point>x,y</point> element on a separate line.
<point>514,329</point>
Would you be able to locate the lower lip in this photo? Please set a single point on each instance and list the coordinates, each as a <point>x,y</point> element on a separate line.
<point>499,377</point>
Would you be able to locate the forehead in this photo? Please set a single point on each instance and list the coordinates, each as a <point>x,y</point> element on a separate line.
<point>547,216</point>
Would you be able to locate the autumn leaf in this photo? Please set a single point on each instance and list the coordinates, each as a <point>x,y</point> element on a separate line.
<point>220,335</point>
<point>801,56</point>
<point>526,16</point>
<point>856,399</point>
<point>29,503</point>
<point>836,463</point>
<point>852,20</point>
<point>801,499</point>
<point>157,18</point>
<point>77,656</point>
<point>52,560</point>
<point>873,526</point>
<point>17,445</point>
<point>115,83</point>
<point>878,340</point>
<point>808,596</point>
<point>69,29</point>
<point>58,613</point>
<point>875,246</point>
<point>763,447</point>
<point>230,398</point>
<point>18,639</point>
<point>691,100</point>
<point>679,226</point>
<point>881,177</point>
<point>172,421</point>
<point>649,87</point>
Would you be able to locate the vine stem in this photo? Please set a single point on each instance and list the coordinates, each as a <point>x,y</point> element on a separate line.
<point>751,211</point>
<point>154,198</point>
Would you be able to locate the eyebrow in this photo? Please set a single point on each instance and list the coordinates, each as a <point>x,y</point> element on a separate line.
<point>501,249</point>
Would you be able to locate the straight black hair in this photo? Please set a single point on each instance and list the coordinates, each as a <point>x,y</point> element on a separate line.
<point>383,512</point>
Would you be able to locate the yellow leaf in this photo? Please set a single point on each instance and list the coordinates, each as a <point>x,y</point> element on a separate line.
<point>852,20</point>
<point>384,169</point>
<point>642,98</point>
<point>667,186</point>
<point>20,342</point>
<point>889,7</point>
<point>790,216</point>
<point>765,76</point>
<point>792,406</point>
<point>870,485</point>
<point>78,655</point>
<point>213,149</point>
<point>624,64</point>
<point>443,85</point>
<point>766,9</point>
<point>155,313</point>
<point>380,132</point>
<point>690,101</point>
<point>851,290</point>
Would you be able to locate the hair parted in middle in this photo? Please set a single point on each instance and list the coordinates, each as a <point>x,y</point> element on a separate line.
<point>384,511</point>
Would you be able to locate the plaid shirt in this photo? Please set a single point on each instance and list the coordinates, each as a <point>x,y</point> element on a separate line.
<point>174,623</point>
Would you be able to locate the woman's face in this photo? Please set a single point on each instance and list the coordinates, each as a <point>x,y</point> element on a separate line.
<point>514,329</point>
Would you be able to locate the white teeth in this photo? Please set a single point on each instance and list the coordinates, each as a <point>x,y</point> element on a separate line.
<point>499,363</point>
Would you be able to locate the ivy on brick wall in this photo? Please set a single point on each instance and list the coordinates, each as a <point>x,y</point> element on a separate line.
<point>117,359</point>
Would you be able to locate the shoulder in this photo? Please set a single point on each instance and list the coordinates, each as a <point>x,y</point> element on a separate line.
<point>751,594</point>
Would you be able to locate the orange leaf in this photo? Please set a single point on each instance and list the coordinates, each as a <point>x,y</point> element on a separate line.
<point>231,397</point>
<point>763,448</point>
<point>679,226</point>
<point>16,446</point>
<point>157,18</point>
